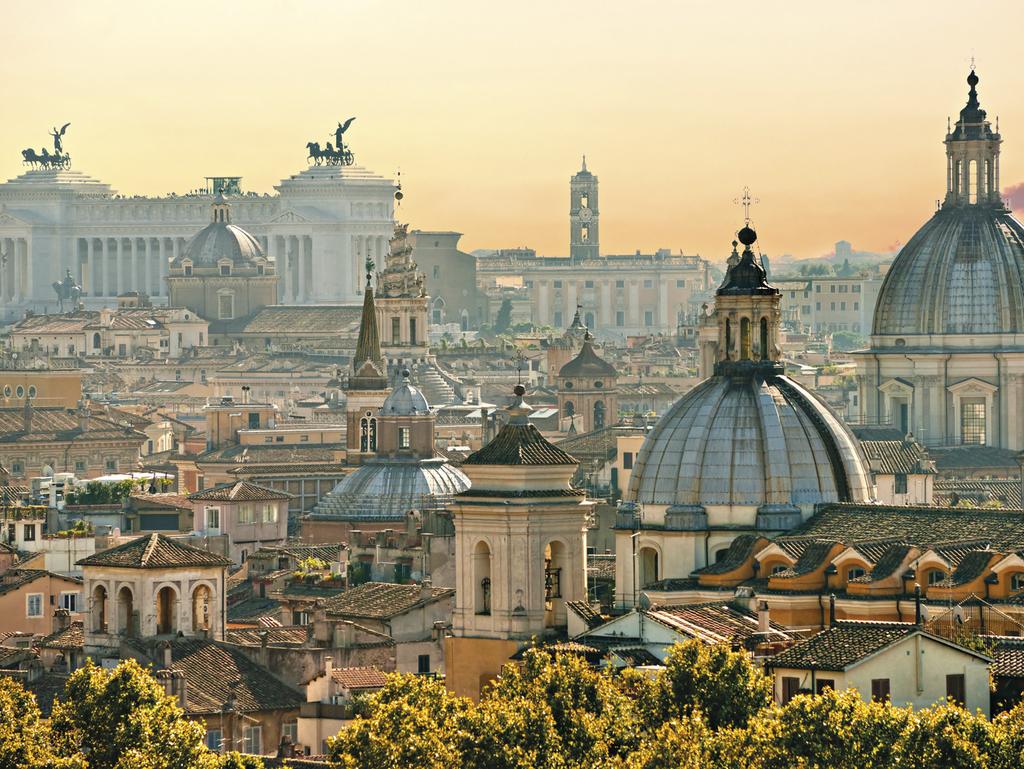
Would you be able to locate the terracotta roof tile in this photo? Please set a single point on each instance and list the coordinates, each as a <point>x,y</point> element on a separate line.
<point>359,678</point>
<point>842,646</point>
<point>519,444</point>
<point>154,552</point>
<point>71,637</point>
<point>379,600</point>
<point>239,491</point>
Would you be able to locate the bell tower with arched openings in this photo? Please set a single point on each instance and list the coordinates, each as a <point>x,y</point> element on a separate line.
<point>367,384</point>
<point>972,156</point>
<point>521,550</point>
<point>583,216</point>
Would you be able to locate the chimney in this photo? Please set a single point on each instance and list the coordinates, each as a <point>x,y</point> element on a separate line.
<point>28,415</point>
<point>61,620</point>
<point>483,426</point>
<point>344,634</point>
<point>83,416</point>
<point>426,589</point>
<point>832,610</point>
<point>763,619</point>
<point>182,686</point>
<point>917,603</point>
<point>166,648</point>
<point>264,651</point>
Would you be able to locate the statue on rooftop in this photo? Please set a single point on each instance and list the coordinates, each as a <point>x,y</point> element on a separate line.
<point>69,291</point>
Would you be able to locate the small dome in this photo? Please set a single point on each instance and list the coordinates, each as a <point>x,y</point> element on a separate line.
<point>222,240</point>
<point>405,400</point>
<point>746,441</point>
<point>961,273</point>
<point>587,363</point>
<point>388,489</point>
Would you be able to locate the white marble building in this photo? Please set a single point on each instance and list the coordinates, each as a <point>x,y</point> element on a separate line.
<point>320,226</point>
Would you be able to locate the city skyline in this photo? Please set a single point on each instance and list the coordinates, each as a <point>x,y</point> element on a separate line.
<point>834,143</point>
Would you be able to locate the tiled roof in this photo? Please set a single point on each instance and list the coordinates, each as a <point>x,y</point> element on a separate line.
<point>213,672</point>
<point>252,609</point>
<point>587,363</point>
<point>601,566</point>
<point>239,491</point>
<point>47,688</point>
<point>842,646</point>
<point>1009,656</point>
<point>590,616</point>
<point>290,636</point>
<point>12,494</point>
<point>953,492</point>
<point>973,458</point>
<point>519,444</point>
<point>972,565</point>
<point>154,552</point>
<point>359,678</point>
<point>921,526</point>
<point>59,424</point>
<point>285,454</point>
<point>740,550</point>
<point>812,557</point>
<point>168,501</point>
<point>597,444</point>
<point>329,552</point>
<point>379,600</point>
<point>310,468</point>
<point>12,579</point>
<point>896,457</point>
<point>713,622</point>
<point>887,564</point>
<point>635,656</point>
<point>71,637</point>
<point>316,319</point>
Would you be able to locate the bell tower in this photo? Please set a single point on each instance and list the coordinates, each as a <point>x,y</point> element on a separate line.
<point>972,155</point>
<point>583,216</point>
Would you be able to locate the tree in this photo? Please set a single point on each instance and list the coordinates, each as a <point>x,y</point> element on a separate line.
<point>504,318</point>
<point>24,736</point>
<point>122,718</point>
<point>413,721</point>
<point>722,684</point>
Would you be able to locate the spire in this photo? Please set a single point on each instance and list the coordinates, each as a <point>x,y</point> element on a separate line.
<point>972,155</point>
<point>584,168</point>
<point>368,344</point>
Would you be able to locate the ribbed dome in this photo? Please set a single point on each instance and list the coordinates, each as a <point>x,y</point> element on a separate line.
<point>389,488</point>
<point>219,240</point>
<point>962,273</point>
<point>747,441</point>
<point>405,400</point>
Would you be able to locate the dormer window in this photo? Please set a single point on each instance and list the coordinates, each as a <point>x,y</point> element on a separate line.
<point>187,269</point>
<point>225,269</point>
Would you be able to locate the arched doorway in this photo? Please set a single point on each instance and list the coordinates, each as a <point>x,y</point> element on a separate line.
<point>125,612</point>
<point>648,562</point>
<point>99,609</point>
<point>202,600</point>
<point>482,578</point>
<point>166,611</point>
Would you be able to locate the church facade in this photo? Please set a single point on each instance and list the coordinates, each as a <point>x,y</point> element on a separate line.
<point>318,228</point>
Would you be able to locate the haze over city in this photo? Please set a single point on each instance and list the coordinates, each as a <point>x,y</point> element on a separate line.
<point>833,114</point>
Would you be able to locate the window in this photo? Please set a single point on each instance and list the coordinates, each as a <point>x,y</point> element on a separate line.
<point>423,663</point>
<point>403,437</point>
<point>648,317</point>
<point>832,289</point>
<point>817,289</point>
<point>111,464</point>
<point>396,330</point>
<point>252,739</point>
<point>80,466</point>
<point>627,460</point>
<point>29,532</point>
<point>254,420</point>
<point>956,688</point>
<point>822,684</point>
<point>290,731</point>
<point>879,689</point>
<point>412,330</point>
<point>270,513</point>
<point>122,349</point>
<point>778,569</point>
<point>972,421</point>
<point>34,605</point>
<point>69,601</point>
<point>842,306</point>
<point>832,306</point>
<point>225,269</point>
<point>682,284</point>
<point>437,272</point>
<point>246,514</point>
<point>620,319</point>
<point>17,467</point>
<point>225,306</point>
<point>32,389</point>
<point>901,483</point>
<point>854,572</point>
<point>817,306</point>
<point>1017,582</point>
<point>856,305</point>
<point>588,284</point>
<point>935,576</point>
<point>213,518</point>
<point>188,270</point>
<point>620,284</point>
<point>790,687</point>
<point>648,283</point>
<point>558,318</point>
<point>303,439</point>
<point>213,739</point>
<point>556,283</point>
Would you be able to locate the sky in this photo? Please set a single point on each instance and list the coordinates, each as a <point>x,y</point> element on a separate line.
<point>832,113</point>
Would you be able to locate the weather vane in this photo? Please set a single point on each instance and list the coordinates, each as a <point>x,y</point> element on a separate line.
<point>519,358</point>
<point>746,201</point>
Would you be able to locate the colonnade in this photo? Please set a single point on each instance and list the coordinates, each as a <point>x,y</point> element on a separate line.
<point>110,266</point>
<point>15,269</point>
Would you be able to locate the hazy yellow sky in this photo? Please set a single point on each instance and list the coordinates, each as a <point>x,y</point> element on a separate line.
<point>833,113</point>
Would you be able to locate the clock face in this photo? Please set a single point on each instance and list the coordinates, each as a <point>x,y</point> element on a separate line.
<point>586,214</point>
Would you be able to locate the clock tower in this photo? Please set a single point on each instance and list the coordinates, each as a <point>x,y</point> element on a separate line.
<point>583,215</point>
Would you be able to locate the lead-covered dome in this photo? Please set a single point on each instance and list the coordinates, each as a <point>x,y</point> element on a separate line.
<point>748,441</point>
<point>221,239</point>
<point>961,273</point>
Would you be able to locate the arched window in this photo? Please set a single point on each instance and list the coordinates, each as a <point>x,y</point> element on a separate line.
<point>745,340</point>
<point>554,600</point>
<point>125,612</point>
<point>570,409</point>
<point>166,611</point>
<point>373,434</point>
<point>764,339</point>
<point>599,415</point>
<point>99,609</point>
<point>972,181</point>
<point>96,340</point>
<point>728,338</point>
<point>482,578</point>
<point>201,601</point>
<point>648,561</point>
<point>368,434</point>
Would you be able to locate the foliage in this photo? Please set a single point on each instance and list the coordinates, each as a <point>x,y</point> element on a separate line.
<point>122,718</point>
<point>503,320</point>
<point>80,528</point>
<point>24,736</point>
<point>100,493</point>
<point>844,341</point>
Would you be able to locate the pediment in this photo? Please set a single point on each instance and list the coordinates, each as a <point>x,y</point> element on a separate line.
<point>288,217</point>
<point>896,386</point>
<point>7,219</point>
<point>972,385</point>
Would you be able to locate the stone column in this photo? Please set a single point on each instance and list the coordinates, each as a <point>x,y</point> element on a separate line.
<point>311,272</point>
<point>101,264</point>
<point>115,257</point>
<point>89,274</point>
<point>161,266</point>
<point>663,305</point>
<point>19,291</point>
<point>300,255</point>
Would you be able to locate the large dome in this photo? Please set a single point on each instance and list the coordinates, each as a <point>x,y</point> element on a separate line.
<point>962,273</point>
<point>221,239</point>
<point>387,489</point>
<point>749,442</point>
